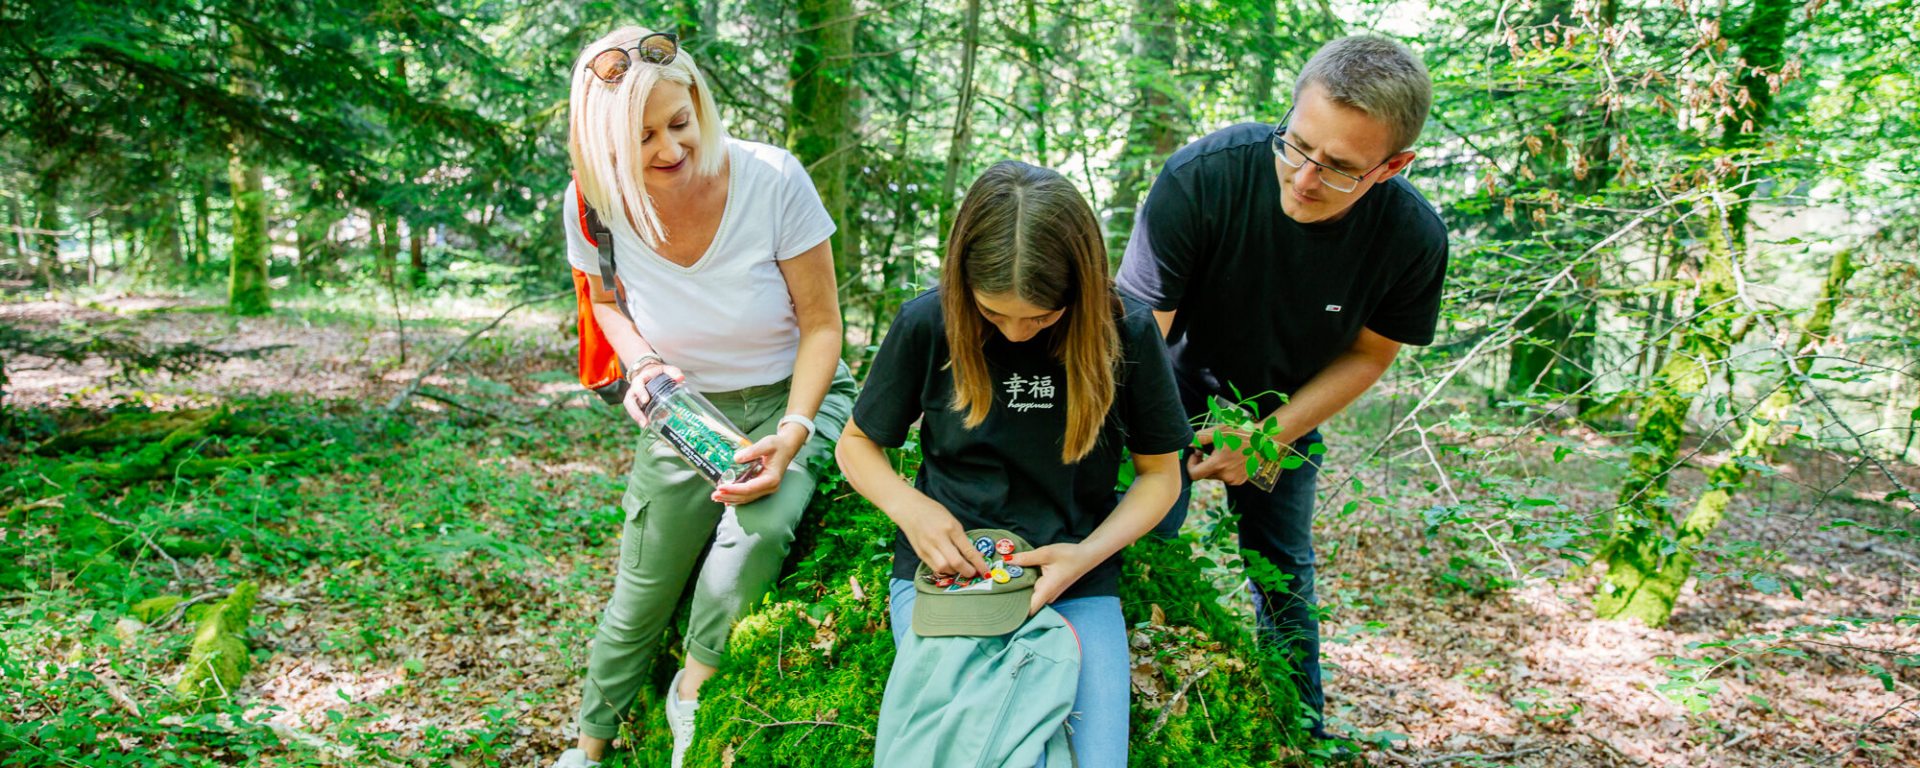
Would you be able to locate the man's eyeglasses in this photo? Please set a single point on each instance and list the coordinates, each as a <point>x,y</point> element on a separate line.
<point>612,64</point>
<point>1335,179</point>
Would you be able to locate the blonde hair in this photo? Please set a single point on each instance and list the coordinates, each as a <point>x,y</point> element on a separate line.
<point>604,123</point>
<point>1025,231</point>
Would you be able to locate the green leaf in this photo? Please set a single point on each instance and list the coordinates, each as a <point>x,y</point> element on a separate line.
<point>1880,672</point>
<point>1292,462</point>
<point>1316,449</point>
<point>1767,583</point>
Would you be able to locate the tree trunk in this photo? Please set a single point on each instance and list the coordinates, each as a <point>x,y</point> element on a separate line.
<point>821,127</point>
<point>1638,585</point>
<point>1154,131</point>
<point>1762,40</point>
<point>1672,568</point>
<point>17,238</point>
<point>1266,59</point>
<point>247,288</point>
<point>163,237</point>
<point>202,243</point>
<point>962,118</point>
<point>416,259</point>
<point>1039,58</point>
<point>46,238</point>
<point>387,230</point>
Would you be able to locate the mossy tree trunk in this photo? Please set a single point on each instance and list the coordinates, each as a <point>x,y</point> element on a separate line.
<point>1645,566</point>
<point>46,213</point>
<point>822,126</point>
<point>962,118</point>
<point>1153,130</point>
<point>1638,583</point>
<point>202,240</point>
<point>1762,40</point>
<point>247,292</point>
<point>247,270</point>
<point>1756,443</point>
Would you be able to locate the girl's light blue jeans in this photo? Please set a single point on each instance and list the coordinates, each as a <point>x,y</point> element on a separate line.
<point>1097,729</point>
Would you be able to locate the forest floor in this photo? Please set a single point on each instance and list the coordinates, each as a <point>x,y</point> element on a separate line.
<point>430,601</point>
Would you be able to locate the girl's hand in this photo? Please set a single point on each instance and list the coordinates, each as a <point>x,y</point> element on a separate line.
<point>939,540</point>
<point>1060,566</point>
<point>776,452</point>
<point>637,399</point>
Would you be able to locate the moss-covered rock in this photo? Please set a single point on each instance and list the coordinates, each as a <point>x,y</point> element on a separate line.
<point>218,659</point>
<point>153,609</point>
<point>806,673</point>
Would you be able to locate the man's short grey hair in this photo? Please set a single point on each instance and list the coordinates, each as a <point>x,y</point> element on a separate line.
<point>1377,76</point>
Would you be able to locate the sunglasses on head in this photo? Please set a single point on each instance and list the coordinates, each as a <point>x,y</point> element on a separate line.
<point>612,64</point>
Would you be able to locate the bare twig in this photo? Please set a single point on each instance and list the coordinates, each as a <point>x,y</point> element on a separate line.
<point>1458,756</point>
<point>414,386</point>
<point>1608,745</point>
<point>773,722</point>
<point>1167,711</point>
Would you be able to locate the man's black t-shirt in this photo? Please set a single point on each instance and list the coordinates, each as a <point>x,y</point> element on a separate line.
<point>1263,302</point>
<point>1006,473</point>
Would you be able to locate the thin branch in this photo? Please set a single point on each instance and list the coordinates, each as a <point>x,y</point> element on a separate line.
<point>414,386</point>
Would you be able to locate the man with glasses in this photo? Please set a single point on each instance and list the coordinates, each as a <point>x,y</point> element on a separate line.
<point>1288,264</point>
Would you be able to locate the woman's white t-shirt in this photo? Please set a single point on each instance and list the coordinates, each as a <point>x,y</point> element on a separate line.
<point>728,320</point>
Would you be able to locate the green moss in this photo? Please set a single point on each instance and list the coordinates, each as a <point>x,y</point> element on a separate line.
<point>806,674</point>
<point>218,660</point>
<point>154,608</point>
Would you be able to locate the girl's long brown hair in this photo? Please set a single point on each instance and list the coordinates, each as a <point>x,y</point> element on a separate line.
<point>1026,232</point>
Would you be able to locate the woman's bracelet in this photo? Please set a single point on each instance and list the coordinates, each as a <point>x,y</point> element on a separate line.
<point>794,418</point>
<point>642,363</point>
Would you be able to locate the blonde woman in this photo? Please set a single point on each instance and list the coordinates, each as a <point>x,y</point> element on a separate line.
<point>727,279</point>
<point>1029,378</point>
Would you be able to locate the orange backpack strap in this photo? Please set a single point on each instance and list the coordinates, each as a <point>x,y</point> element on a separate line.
<point>600,367</point>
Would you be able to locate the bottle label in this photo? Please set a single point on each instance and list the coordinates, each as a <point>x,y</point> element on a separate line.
<point>707,446</point>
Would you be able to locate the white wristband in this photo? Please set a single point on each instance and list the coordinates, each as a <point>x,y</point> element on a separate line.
<point>794,418</point>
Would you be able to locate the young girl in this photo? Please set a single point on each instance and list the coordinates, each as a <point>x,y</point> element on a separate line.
<point>1028,376</point>
<point>721,249</point>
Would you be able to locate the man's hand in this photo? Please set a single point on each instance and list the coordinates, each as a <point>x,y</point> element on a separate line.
<point>1060,566</point>
<point>637,400</point>
<point>939,540</point>
<point>776,452</point>
<point>1222,463</point>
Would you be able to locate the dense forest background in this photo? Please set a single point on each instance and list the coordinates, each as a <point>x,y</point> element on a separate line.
<point>1647,501</point>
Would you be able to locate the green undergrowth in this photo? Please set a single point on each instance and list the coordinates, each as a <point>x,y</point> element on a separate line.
<point>386,532</point>
<point>804,685</point>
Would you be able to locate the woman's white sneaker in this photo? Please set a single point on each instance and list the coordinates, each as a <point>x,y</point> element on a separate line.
<point>679,718</point>
<point>575,758</point>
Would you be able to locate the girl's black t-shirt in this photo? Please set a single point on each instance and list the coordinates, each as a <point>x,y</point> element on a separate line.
<point>1006,473</point>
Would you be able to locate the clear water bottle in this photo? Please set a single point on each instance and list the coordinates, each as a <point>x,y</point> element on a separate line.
<point>697,431</point>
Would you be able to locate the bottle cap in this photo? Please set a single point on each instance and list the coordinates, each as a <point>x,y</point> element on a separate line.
<point>659,387</point>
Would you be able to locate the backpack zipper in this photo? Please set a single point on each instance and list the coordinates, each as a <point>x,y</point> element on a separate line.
<point>999,719</point>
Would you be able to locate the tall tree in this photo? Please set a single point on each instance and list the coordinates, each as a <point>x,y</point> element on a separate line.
<point>962,135</point>
<point>247,287</point>
<point>1155,127</point>
<point>821,122</point>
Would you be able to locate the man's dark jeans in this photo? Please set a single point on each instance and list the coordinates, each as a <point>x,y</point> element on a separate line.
<point>1279,526</point>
